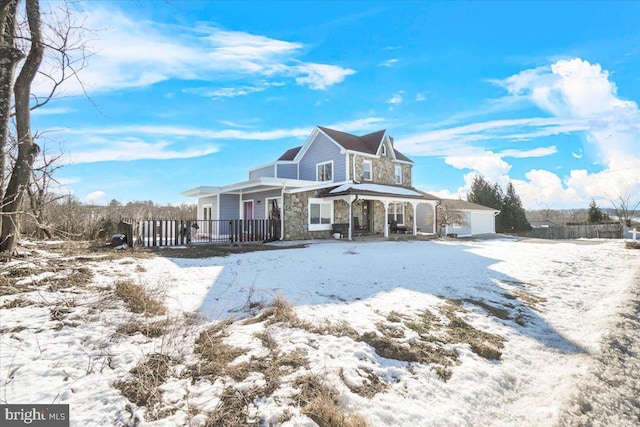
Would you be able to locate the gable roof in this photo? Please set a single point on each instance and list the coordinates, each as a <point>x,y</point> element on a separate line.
<point>379,189</point>
<point>464,205</point>
<point>367,144</point>
<point>290,154</point>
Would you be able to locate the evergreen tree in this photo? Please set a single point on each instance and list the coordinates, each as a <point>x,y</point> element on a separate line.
<point>486,194</point>
<point>514,218</point>
<point>594,214</point>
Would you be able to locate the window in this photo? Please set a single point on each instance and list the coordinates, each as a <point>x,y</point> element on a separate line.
<point>367,170</point>
<point>320,214</point>
<point>384,150</point>
<point>396,213</point>
<point>398,174</point>
<point>324,171</point>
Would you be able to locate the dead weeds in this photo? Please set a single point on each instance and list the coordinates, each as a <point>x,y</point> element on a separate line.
<point>148,329</point>
<point>318,402</point>
<point>138,299</point>
<point>371,385</point>
<point>142,388</point>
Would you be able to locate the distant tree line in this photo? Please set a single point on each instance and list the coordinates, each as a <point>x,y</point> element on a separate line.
<point>68,218</point>
<point>512,217</point>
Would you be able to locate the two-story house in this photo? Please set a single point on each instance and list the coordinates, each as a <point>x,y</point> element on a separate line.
<point>361,183</point>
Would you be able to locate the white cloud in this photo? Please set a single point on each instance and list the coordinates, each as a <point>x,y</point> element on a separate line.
<point>578,90</point>
<point>487,164</point>
<point>545,188</point>
<point>396,98</point>
<point>96,197</point>
<point>535,152</point>
<point>126,143</point>
<point>131,52</point>
<point>389,63</point>
<point>134,149</point>
<point>420,97</point>
<point>321,76</point>
<point>580,97</point>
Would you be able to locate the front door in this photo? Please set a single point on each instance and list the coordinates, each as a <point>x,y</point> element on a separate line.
<point>248,210</point>
<point>363,216</point>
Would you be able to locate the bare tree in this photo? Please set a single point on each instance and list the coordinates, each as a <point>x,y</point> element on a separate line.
<point>27,149</point>
<point>624,209</point>
<point>448,215</point>
<point>65,56</point>
<point>40,192</point>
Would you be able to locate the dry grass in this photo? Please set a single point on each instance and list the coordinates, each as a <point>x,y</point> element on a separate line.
<point>142,388</point>
<point>498,312</point>
<point>148,329</point>
<point>280,311</point>
<point>371,386</point>
<point>530,300</point>
<point>138,299</point>
<point>318,402</point>
<point>17,303</point>
<point>215,353</point>
<point>233,409</point>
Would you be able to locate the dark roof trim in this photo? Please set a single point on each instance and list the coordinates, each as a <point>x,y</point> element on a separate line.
<point>367,144</point>
<point>290,154</point>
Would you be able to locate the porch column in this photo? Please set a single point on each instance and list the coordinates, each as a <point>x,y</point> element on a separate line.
<point>415,217</point>
<point>385,202</point>
<point>434,218</point>
<point>350,201</point>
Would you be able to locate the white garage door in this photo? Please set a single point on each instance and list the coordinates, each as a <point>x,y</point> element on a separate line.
<point>482,223</point>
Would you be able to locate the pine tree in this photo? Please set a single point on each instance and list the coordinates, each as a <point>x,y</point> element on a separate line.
<point>594,214</point>
<point>514,218</point>
<point>486,194</point>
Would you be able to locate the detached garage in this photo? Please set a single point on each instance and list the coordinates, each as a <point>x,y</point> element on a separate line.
<point>479,219</point>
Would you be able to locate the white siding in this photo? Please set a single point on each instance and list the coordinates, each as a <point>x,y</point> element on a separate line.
<point>207,201</point>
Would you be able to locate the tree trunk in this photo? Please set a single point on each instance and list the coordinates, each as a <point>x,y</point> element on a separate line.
<point>27,149</point>
<point>9,58</point>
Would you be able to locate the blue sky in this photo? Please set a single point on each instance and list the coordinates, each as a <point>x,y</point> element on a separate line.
<point>188,93</point>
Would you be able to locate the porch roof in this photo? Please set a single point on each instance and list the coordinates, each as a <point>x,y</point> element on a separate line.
<point>379,190</point>
<point>250,186</point>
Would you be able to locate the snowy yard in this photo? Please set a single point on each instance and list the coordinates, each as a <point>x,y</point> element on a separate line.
<point>396,333</point>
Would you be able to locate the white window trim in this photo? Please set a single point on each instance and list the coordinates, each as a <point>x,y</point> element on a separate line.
<point>396,175</point>
<point>394,214</point>
<point>319,227</point>
<point>267,204</point>
<point>330,162</point>
<point>384,149</point>
<point>370,163</point>
<point>204,209</point>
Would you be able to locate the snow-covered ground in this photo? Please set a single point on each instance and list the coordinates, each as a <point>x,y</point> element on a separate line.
<point>557,306</point>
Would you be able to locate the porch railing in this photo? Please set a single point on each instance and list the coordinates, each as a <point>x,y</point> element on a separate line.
<point>166,232</point>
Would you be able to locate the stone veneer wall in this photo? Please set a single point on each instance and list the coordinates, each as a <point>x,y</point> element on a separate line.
<point>296,216</point>
<point>383,170</point>
<point>379,220</point>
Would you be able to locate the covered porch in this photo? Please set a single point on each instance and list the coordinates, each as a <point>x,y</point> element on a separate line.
<point>375,209</point>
